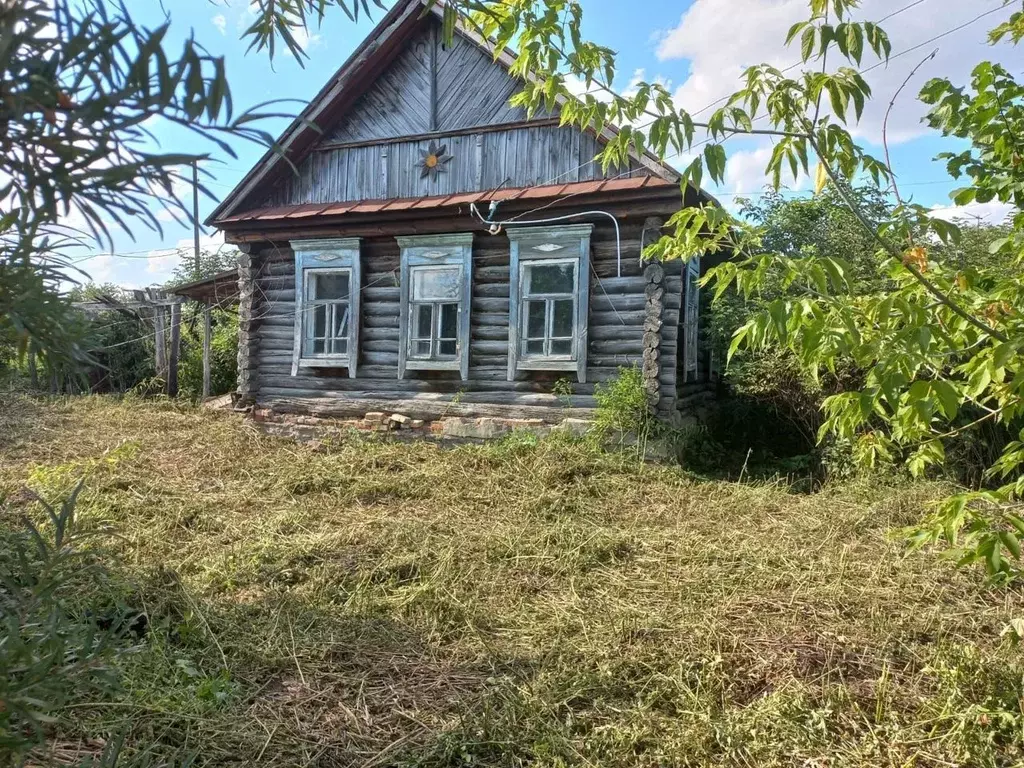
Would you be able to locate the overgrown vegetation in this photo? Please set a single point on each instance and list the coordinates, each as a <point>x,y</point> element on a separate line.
<point>523,602</point>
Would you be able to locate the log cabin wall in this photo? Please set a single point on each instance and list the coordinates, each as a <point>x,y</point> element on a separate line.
<point>617,315</point>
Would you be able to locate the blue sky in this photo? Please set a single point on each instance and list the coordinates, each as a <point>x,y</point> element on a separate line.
<point>697,47</point>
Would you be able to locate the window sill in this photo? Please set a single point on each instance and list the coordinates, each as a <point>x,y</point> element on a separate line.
<point>324,362</point>
<point>433,365</point>
<point>546,364</point>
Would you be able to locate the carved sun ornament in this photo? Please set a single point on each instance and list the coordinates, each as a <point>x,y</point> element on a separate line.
<point>433,160</point>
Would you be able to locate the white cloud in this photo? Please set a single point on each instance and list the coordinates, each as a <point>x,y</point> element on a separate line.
<point>220,21</point>
<point>306,40</point>
<point>992,212</point>
<point>744,172</point>
<point>161,262</point>
<point>722,37</point>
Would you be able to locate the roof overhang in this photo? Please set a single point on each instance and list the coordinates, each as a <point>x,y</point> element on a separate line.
<point>221,289</point>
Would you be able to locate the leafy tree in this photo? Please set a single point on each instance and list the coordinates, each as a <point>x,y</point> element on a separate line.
<point>224,326</point>
<point>83,86</point>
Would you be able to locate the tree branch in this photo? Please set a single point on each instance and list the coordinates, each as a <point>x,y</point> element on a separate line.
<point>933,289</point>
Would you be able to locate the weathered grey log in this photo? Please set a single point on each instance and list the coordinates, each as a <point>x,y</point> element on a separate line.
<point>248,340</point>
<point>378,345</point>
<point>499,306</point>
<point>160,341</point>
<point>380,334</point>
<point>654,273</point>
<point>489,333</point>
<point>631,318</point>
<point>654,292</point>
<point>480,319</point>
<point>620,285</point>
<point>615,332</point>
<point>172,363</point>
<point>381,294</point>
<point>632,348</point>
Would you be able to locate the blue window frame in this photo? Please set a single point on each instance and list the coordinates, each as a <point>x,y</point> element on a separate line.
<point>436,293</point>
<point>327,304</point>
<point>549,299</point>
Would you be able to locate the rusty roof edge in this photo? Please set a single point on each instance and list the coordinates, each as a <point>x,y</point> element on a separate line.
<point>643,184</point>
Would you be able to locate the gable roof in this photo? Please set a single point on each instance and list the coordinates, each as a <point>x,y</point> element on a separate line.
<point>351,81</point>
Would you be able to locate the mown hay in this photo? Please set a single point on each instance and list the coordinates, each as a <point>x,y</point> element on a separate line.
<point>392,604</point>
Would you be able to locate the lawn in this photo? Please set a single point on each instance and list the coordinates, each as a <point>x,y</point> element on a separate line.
<point>381,603</point>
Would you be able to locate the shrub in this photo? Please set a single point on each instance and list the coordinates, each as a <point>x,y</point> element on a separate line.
<point>54,650</point>
<point>223,356</point>
<point>622,409</point>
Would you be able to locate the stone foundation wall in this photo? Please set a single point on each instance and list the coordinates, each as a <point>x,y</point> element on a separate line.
<point>306,428</point>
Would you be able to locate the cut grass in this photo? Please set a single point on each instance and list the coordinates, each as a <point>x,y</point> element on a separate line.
<point>522,603</point>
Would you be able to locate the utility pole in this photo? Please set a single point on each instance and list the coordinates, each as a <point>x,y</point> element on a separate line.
<point>195,213</point>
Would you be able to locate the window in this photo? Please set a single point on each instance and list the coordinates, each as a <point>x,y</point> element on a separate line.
<point>436,294</point>
<point>691,319</point>
<point>328,309</point>
<point>327,304</point>
<point>549,299</point>
<point>549,308</point>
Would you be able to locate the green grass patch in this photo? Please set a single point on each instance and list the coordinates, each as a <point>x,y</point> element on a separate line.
<point>527,602</point>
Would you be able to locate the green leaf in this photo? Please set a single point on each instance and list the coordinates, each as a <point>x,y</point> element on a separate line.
<point>949,397</point>
<point>807,43</point>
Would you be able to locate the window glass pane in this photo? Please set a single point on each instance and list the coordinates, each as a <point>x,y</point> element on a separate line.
<point>421,348</point>
<point>340,346</point>
<point>449,321</point>
<point>563,324</point>
<point>436,283</point>
<point>422,320</point>
<point>448,348</point>
<point>319,321</point>
<point>318,347</point>
<point>549,278</point>
<point>324,287</point>
<point>341,319</point>
<point>561,346</point>
<point>535,319</point>
<point>535,347</point>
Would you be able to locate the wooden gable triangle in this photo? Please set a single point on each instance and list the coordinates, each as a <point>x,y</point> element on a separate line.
<point>385,90</point>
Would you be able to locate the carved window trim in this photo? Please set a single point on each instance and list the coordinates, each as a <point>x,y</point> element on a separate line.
<point>335,256</point>
<point>423,252</point>
<point>691,319</point>
<point>531,246</point>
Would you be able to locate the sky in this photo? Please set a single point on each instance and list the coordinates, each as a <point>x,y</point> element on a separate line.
<point>697,48</point>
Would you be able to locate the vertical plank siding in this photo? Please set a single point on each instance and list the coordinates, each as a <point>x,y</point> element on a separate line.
<point>518,157</point>
<point>472,90</point>
<point>616,324</point>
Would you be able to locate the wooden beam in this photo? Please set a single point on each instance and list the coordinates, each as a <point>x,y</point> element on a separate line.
<point>206,352</point>
<point>160,341</point>
<point>172,370</point>
<point>470,131</point>
<point>432,126</point>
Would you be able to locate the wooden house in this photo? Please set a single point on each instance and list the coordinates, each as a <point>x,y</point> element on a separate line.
<point>440,257</point>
